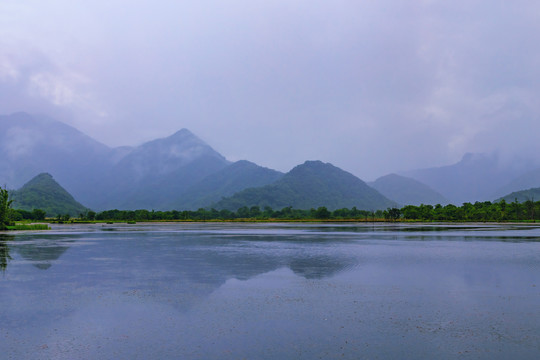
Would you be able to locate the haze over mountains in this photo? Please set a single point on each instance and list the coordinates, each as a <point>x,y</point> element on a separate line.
<point>477,177</point>
<point>407,191</point>
<point>30,145</point>
<point>183,172</point>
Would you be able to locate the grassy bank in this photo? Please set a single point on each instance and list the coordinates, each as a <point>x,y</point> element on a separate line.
<point>29,227</point>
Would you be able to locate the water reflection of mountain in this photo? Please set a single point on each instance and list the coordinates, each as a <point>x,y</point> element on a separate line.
<point>319,267</point>
<point>239,257</point>
<point>181,269</point>
<point>175,268</point>
<point>246,266</point>
<point>42,254</point>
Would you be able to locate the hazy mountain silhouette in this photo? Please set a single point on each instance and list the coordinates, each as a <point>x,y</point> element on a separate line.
<point>30,145</point>
<point>528,180</point>
<point>43,192</point>
<point>407,191</point>
<point>146,176</point>
<point>235,177</point>
<point>157,171</point>
<point>532,194</point>
<point>311,185</point>
<point>475,178</point>
<point>183,172</point>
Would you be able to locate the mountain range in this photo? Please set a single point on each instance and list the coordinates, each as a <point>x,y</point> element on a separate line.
<point>183,172</point>
<point>311,185</point>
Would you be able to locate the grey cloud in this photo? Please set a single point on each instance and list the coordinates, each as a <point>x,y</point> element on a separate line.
<point>373,87</point>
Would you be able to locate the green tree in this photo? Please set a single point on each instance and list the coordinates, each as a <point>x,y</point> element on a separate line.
<point>529,209</point>
<point>243,212</point>
<point>5,209</point>
<point>38,214</point>
<point>394,214</point>
<point>322,213</point>
<point>91,215</point>
<point>255,211</point>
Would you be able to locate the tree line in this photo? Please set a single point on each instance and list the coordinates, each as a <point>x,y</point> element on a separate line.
<point>252,213</point>
<point>479,211</point>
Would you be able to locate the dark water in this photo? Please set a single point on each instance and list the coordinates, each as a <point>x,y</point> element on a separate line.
<point>260,291</point>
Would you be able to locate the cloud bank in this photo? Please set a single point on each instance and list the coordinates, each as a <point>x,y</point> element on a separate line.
<point>372,87</point>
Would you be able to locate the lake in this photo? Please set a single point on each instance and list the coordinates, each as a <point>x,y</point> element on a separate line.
<point>271,291</point>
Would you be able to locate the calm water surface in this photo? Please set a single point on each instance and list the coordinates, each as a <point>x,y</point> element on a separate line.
<point>271,291</point>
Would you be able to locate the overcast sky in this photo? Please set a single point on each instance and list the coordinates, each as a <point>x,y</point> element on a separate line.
<point>370,86</point>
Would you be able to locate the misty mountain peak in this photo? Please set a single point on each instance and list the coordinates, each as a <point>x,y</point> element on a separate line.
<point>314,166</point>
<point>167,155</point>
<point>39,180</point>
<point>474,158</point>
<point>183,133</point>
<point>182,138</point>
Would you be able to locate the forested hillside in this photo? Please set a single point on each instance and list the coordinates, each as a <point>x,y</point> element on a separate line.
<point>311,185</point>
<point>43,192</point>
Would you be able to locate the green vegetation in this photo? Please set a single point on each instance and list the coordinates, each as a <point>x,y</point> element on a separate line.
<point>479,211</point>
<point>21,215</point>
<point>43,192</point>
<point>5,209</point>
<point>29,227</point>
<point>9,215</point>
<point>243,213</point>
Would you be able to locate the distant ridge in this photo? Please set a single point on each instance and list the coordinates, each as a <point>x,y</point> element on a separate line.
<point>231,179</point>
<point>522,196</point>
<point>311,185</point>
<point>35,144</point>
<point>476,177</point>
<point>407,191</point>
<point>182,172</point>
<point>529,180</point>
<point>43,192</point>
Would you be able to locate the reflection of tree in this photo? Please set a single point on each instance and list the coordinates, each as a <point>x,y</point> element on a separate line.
<point>4,251</point>
<point>42,255</point>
